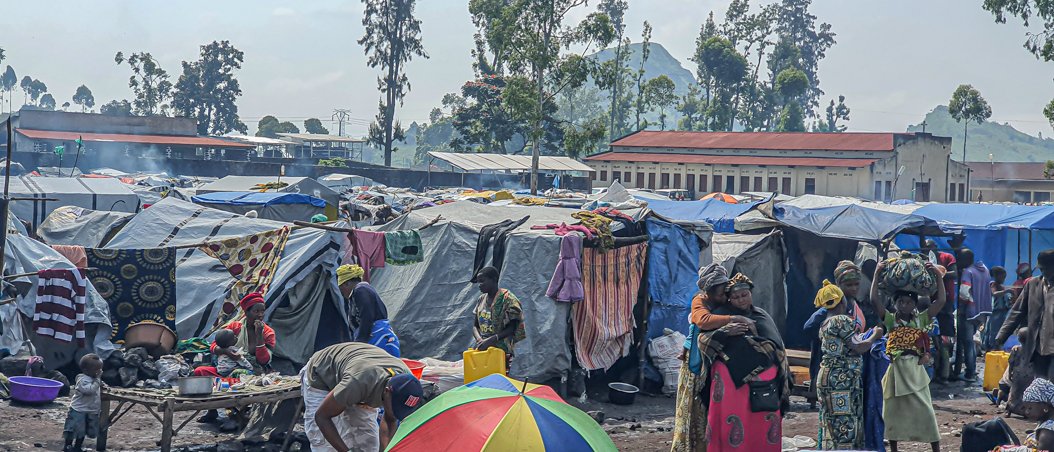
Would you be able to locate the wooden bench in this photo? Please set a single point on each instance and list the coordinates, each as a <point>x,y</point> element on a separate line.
<point>798,360</point>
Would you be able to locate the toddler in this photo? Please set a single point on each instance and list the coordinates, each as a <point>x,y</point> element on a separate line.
<point>83,417</point>
<point>231,363</point>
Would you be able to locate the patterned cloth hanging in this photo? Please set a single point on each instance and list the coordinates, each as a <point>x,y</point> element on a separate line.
<point>603,321</point>
<point>251,260</point>
<point>139,286</point>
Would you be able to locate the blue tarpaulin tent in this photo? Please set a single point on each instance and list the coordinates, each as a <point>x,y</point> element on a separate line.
<point>279,206</point>
<point>854,222</point>
<point>673,266</point>
<point>719,214</point>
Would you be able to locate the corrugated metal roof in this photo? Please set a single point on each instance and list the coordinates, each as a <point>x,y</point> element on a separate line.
<point>499,162</point>
<point>729,159</point>
<point>321,137</point>
<point>128,138</point>
<point>784,141</point>
<point>1008,170</point>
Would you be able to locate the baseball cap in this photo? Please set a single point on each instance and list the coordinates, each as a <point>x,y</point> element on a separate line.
<point>406,395</point>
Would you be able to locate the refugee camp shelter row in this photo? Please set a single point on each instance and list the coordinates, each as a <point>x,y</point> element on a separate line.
<point>42,195</point>
<point>301,185</point>
<point>287,207</point>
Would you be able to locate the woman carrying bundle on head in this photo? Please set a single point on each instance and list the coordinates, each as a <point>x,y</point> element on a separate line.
<point>907,408</point>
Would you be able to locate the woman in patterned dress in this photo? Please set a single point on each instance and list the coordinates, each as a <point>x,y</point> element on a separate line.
<point>841,373</point>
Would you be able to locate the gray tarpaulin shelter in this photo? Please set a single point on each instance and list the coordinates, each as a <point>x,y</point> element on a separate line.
<point>763,259</point>
<point>71,225</point>
<point>304,305</point>
<point>431,303</point>
<point>96,194</point>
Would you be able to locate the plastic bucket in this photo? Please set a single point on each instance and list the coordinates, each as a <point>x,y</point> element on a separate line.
<point>416,367</point>
<point>34,390</point>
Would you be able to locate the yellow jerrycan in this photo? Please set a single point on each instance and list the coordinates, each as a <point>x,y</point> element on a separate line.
<point>479,364</point>
<point>995,363</point>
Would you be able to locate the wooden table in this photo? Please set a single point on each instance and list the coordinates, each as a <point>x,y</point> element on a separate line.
<point>163,404</point>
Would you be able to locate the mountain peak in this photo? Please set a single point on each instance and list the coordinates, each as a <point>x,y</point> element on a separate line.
<point>660,62</point>
<point>1002,141</point>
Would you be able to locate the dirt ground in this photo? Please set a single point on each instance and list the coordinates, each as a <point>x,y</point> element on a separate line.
<point>644,426</point>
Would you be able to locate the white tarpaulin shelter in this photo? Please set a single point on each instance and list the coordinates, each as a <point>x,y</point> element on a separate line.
<point>71,225</point>
<point>96,194</point>
<point>762,259</point>
<point>502,162</point>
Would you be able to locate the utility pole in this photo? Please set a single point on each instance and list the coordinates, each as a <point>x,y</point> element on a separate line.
<point>923,126</point>
<point>341,115</point>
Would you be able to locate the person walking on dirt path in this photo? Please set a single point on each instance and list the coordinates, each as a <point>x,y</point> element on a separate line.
<point>1035,309</point>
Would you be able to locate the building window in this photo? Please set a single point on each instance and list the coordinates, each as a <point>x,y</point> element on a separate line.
<point>691,184</point>
<point>677,181</point>
<point>889,192</point>
<point>625,177</point>
<point>773,185</point>
<point>640,180</point>
<point>603,176</point>
<point>665,178</point>
<point>744,184</point>
<point>810,186</point>
<point>703,187</point>
<point>730,184</point>
<point>651,181</point>
<point>878,190</point>
<point>757,184</point>
<point>1022,197</point>
<point>922,191</point>
<point>962,192</point>
<point>951,191</point>
<point>786,189</point>
<point>718,183</point>
<point>1040,196</point>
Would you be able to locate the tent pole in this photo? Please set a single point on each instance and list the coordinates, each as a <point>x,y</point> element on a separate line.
<point>5,203</point>
<point>1019,248</point>
<point>1030,247</point>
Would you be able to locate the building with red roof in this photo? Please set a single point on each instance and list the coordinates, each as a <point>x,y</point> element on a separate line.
<point>1020,182</point>
<point>863,165</point>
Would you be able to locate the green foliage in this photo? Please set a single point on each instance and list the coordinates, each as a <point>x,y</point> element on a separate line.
<point>116,108</point>
<point>84,98</point>
<point>796,24</point>
<point>1001,140</point>
<point>968,105</point>
<point>792,118</point>
<point>8,81</point>
<point>26,84</point>
<point>1048,170</point>
<point>1041,43</point>
<point>207,90</point>
<point>391,39</point>
<point>149,82</point>
<point>791,83</point>
<point>835,113</point>
<point>645,51</point>
<point>659,94</point>
<point>584,139</point>
<point>482,117</point>
<point>269,126</point>
<point>335,162</point>
<point>47,102</point>
<point>314,125</point>
<point>689,107</point>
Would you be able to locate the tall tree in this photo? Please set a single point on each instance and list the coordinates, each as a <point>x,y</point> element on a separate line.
<point>65,106</point>
<point>36,89</point>
<point>149,82</point>
<point>967,105</point>
<point>835,112</point>
<point>791,84</point>
<point>8,81</point>
<point>27,85</point>
<point>725,69</point>
<point>688,107</point>
<point>392,39</point>
<point>1040,43</point>
<point>645,52</point>
<point>796,24</point>
<point>660,95</point>
<point>613,75</point>
<point>84,98</point>
<point>314,125</point>
<point>269,126</point>
<point>116,108</point>
<point>207,90</point>
<point>484,121</point>
<point>47,102</point>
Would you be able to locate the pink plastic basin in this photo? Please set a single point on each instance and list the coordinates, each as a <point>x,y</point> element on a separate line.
<point>34,390</point>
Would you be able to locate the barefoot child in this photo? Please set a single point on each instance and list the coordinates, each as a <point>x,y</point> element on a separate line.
<point>907,408</point>
<point>83,417</point>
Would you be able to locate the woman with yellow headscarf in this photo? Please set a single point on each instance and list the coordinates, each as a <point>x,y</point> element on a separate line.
<point>838,383</point>
<point>368,316</point>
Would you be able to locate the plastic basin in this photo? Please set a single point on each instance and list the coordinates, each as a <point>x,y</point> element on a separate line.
<point>416,367</point>
<point>34,390</point>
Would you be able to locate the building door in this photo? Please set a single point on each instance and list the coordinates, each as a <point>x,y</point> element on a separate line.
<point>773,185</point>
<point>730,184</point>
<point>951,191</point>
<point>922,191</point>
<point>757,184</point>
<point>718,183</point>
<point>651,181</point>
<point>677,181</point>
<point>962,192</point>
<point>878,190</point>
<point>703,187</point>
<point>640,180</point>
<point>786,186</point>
<point>690,185</point>
<point>744,184</point>
<point>665,178</point>
<point>888,194</point>
<point>810,186</point>
<point>625,177</point>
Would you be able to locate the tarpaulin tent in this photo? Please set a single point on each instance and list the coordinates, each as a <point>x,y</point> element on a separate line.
<point>341,183</point>
<point>719,214</point>
<point>763,259</point>
<point>672,274</point>
<point>71,225</point>
<point>755,219</point>
<point>304,305</point>
<point>286,207</point>
<point>95,194</point>
<point>303,185</point>
<point>853,222</point>
<point>998,234</point>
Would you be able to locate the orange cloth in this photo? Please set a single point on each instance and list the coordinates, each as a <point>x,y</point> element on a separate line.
<point>702,317</point>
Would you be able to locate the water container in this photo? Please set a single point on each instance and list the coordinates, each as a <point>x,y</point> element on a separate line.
<point>479,364</point>
<point>995,363</point>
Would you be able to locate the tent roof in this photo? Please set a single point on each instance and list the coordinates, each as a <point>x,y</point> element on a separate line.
<point>989,216</point>
<point>57,185</point>
<point>249,198</point>
<point>854,222</point>
<point>718,214</point>
<point>305,185</point>
<point>480,161</point>
<point>476,215</point>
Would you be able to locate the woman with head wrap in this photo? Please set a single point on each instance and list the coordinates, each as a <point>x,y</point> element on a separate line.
<point>1038,407</point>
<point>838,383</point>
<point>847,276</point>
<point>367,315</point>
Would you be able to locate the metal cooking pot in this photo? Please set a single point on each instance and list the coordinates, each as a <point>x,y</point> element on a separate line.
<point>190,386</point>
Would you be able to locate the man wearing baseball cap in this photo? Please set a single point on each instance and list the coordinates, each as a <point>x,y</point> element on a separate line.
<point>344,385</point>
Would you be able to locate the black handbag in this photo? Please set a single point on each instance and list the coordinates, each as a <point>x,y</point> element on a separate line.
<point>764,396</point>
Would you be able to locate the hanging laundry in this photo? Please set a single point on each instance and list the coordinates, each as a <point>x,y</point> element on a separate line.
<point>566,284</point>
<point>369,250</point>
<point>493,235</point>
<point>403,247</point>
<point>73,253</point>
<point>564,229</point>
<point>600,225</point>
<point>252,260</point>
<point>603,321</point>
<point>61,300</point>
<point>139,286</point>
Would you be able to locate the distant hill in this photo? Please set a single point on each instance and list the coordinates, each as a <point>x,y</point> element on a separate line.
<point>1003,141</point>
<point>660,62</point>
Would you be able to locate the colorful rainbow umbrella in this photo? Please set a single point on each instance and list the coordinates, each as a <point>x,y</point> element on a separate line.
<point>724,197</point>
<point>497,413</point>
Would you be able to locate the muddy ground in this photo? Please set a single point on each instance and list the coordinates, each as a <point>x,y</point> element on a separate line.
<point>644,426</point>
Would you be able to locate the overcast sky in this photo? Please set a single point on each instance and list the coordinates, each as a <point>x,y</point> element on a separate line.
<point>894,60</point>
